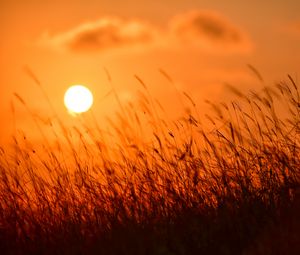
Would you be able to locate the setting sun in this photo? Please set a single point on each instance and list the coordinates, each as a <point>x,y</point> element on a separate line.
<point>78,99</point>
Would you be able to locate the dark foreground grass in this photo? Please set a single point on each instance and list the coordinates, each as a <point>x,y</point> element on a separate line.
<point>229,189</point>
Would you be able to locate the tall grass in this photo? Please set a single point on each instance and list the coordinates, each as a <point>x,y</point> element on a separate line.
<point>174,187</point>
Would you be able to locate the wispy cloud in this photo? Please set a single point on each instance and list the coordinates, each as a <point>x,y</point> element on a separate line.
<point>206,30</point>
<point>210,31</point>
<point>106,33</point>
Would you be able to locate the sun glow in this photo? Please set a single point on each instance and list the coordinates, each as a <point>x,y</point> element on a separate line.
<point>78,99</point>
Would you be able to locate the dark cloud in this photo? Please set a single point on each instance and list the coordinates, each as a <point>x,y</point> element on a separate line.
<point>104,34</point>
<point>210,30</point>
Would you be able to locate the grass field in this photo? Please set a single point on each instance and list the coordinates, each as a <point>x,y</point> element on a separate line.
<point>159,186</point>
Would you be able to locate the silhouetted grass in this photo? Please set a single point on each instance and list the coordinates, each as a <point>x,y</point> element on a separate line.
<point>174,187</point>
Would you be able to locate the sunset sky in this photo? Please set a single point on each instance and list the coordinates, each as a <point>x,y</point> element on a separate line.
<point>201,44</point>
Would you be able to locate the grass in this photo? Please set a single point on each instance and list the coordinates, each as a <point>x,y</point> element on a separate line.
<point>156,186</point>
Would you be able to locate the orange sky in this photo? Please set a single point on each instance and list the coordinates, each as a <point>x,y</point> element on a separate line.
<point>201,44</point>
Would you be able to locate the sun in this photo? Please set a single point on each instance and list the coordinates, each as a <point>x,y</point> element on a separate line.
<point>78,99</point>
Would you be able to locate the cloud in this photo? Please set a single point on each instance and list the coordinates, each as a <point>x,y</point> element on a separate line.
<point>106,33</point>
<point>205,30</point>
<point>210,31</point>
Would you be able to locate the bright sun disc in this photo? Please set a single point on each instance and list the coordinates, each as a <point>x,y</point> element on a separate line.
<point>78,99</point>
